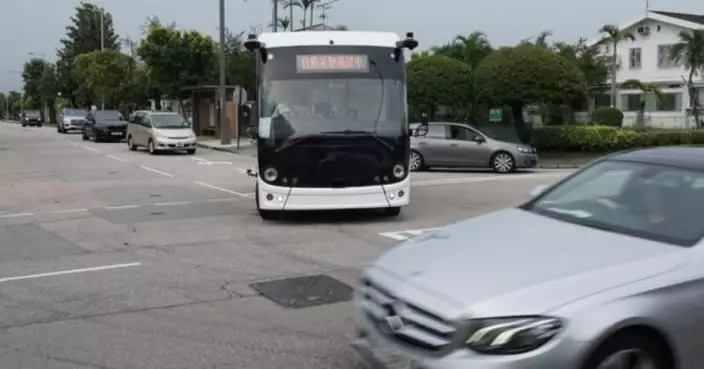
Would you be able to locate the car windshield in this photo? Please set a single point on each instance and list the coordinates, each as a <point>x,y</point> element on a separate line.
<point>169,121</point>
<point>649,201</point>
<point>31,113</point>
<point>108,115</point>
<point>302,107</point>
<point>75,113</point>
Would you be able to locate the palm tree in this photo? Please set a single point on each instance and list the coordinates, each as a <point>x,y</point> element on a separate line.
<point>470,49</point>
<point>290,5</point>
<point>308,4</point>
<point>645,88</point>
<point>614,36</point>
<point>284,23</point>
<point>541,40</point>
<point>690,52</point>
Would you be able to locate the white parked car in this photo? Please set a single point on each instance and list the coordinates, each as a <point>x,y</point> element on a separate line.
<point>160,131</point>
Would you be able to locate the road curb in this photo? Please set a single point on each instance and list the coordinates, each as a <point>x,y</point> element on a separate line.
<point>560,166</point>
<point>222,149</point>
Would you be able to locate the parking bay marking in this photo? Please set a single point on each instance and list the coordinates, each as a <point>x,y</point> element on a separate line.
<point>157,171</point>
<point>67,272</point>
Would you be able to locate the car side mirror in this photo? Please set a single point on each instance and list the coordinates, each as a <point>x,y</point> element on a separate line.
<point>538,190</point>
<point>478,139</point>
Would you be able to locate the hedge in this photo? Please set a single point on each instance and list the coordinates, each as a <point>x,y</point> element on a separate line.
<point>603,139</point>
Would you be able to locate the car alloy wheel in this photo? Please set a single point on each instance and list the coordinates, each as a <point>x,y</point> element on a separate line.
<point>415,161</point>
<point>628,359</point>
<point>503,162</point>
<point>150,147</point>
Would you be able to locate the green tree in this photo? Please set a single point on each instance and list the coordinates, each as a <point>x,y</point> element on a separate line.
<point>40,88</point>
<point>470,49</point>
<point>240,63</point>
<point>614,36</point>
<point>438,80</point>
<point>176,59</point>
<point>541,40</point>
<point>690,52</point>
<point>528,74</point>
<point>104,74</point>
<point>3,106</point>
<point>646,89</point>
<point>589,61</point>
<point>82,36</point>
<point>13,99</point>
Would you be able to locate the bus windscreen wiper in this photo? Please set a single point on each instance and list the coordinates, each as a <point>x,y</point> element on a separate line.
<point>360,133</point>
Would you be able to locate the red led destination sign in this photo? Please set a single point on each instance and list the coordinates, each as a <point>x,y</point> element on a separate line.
<point>332,63</point>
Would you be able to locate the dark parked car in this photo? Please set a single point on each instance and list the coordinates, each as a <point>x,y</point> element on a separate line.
<point>104,125</point>
<point>31,118</point>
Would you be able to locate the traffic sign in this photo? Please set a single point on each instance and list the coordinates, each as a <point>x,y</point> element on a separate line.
<point>495,115</point>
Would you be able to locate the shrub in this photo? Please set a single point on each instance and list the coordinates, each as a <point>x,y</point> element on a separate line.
<point>606,116</point>
<point>603,139</point>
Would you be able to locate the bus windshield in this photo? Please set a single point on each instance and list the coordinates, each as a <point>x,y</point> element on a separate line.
<point>311,106</point>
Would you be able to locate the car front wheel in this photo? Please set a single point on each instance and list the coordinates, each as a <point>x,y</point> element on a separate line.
<point>630,350</point>
<point>415,162</point>
<point>502,162</point>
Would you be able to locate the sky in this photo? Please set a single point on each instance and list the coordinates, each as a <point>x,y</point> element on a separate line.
<point>35,26</point>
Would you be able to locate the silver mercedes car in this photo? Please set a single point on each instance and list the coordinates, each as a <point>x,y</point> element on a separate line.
<point>603,270</point>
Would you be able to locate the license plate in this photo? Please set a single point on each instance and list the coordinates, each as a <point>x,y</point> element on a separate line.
<point>179,145</point>
<point>392,358</point>
<point>116,133</point>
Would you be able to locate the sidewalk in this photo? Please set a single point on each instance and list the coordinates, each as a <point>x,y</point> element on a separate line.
<point>245,147</point>
<point>566,161</point>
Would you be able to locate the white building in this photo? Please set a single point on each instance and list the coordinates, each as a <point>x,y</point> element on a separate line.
<point>646,59</point>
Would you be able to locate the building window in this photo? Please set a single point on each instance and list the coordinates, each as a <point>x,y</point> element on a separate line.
<point>670,102</point>
<point>634,59</point>
<point>602,100</point>
<point>664,59</point>
<point>631,102</point>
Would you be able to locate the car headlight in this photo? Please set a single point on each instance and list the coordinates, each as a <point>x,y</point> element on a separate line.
<point>524,149</point>
<point>512,335</point>
<point>270,174</point>
<point>399,171</point>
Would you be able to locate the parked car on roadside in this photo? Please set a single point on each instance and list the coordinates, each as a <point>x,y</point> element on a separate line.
<point>70,120</point>
<point>604,269</point>
<point>31,118</point>
<point>104,125</point>
<point>160,131</point>
<point>445,144</point>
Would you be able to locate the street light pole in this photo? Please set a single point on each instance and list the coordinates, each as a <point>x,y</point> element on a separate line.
<point>225,138</point>
<point>102,47</point>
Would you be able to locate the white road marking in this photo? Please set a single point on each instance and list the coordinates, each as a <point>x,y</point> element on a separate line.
<point>242,170</point>
<point>157,171</point>
<point>451,181</point>
<point>69,211</point>
<point>121,207</point>
<point>16,215</point>
<point>90,148</point>
<point>404,234</point>
<point>116,158</point>
<point>71,271</point>
<point>221,189</point>
<point>223,199</point>
<point>175,203</point>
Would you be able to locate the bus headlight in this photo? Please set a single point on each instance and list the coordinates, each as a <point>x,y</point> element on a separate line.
<point>270,174</point>
<point>399,171</point>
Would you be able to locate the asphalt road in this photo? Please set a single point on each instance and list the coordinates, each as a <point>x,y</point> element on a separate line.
<point>118,259</point>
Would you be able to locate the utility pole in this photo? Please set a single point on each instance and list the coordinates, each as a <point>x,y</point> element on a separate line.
<point>275,15</point>
<point>225,138</point>
<point>102,47</point>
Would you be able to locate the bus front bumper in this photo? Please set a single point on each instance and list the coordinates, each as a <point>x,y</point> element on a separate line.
<point>367,197</point>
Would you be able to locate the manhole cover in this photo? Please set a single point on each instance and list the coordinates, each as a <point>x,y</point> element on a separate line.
<point>303,292</point>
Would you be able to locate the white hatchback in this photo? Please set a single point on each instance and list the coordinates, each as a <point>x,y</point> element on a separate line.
<point>160,131</point>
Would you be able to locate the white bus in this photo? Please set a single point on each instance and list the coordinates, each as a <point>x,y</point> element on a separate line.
<point>331,121</point>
